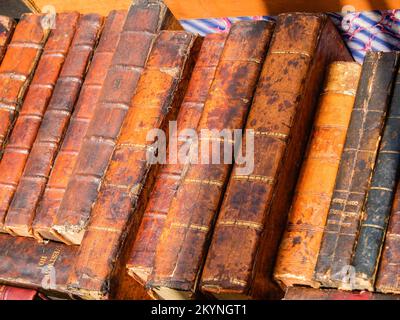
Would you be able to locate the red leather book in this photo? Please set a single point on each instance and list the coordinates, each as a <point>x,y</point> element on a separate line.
<point>15,293</point>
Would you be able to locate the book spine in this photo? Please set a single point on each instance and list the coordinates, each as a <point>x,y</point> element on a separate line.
<point>80,119</point>
<point>289,85</point>
<point>15,293</point>
<point>55,121</point>
<point>169,178</point>
<point>7,26</point>
<point>143,22</point>
<point>26,262</point>
<point>35,103</point>
<point>300,244</point>
<point>17,68</point>
<point>375,218</point>
<point>183,242</point>
<point>333,267</point>
<point>127,182</point>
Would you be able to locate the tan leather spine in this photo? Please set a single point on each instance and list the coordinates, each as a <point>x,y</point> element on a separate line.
<point>7,26</point>
<point>17,68</point>
<point>80,119</point>
<point>300,244</point>
<point>141,259</point>
<point>55,121</point>
<point>36,101</point>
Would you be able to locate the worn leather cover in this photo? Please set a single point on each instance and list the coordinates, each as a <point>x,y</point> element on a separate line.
<point>375,216</point>
<point>35,103</point>
<point>80,119</point>
<point>7,26</point>
<point>356,166</point>
<point>301,241</point>
<point>253,215</point>
<point>128,180</point>
<point>15,293</point>
<point>17,68</point>
<point>144,20</point>
<point>24,262</point>
<point>183,242</point>
<point>141,259</point>
<point>55,121</point>
<point>303,293</point>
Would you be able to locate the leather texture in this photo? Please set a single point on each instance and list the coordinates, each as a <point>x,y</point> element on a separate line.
<point>83,113</point>
<point>55,121</point>
<point>15,293</point>
<point>334,268</point>
<point>254,212</point>
<point>301,241</point>
<point>33,108</point>
<point>183,243</point>
<point>7,26</point>
<point>169,178</point>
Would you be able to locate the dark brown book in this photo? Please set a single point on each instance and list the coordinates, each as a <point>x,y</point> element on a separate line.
<point>145,19</point>
<point>7,26</point>
<point>17,68</point>
<point>83,113</point>
<point>55,121</point>
<point>141,259</point>
<point>334,267</point>
<point>23,135</point>
<point>183,242</point>
<point>130,175</point>
<point>254,212</point>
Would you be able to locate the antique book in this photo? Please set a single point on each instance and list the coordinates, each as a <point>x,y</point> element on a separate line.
<point>17,68</point>
<point>183,242</point>
<point>141,258</point>
<point>299,247</point>
<point>7,26</point>
<point>15,293</point>
<point>23,261</point>
<point>80,119</point>
<point>333,267</point>
<point>303,293</point>
<point>130,175</point>
<point>144,20</point>
<point>254,212</point>
<point>375,216</point>
<point>35,103</point>
<point>22,209</point>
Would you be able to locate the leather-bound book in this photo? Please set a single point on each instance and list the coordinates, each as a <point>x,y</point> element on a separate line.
<point>254,212</point>
<point>374,92</point>
<point>379,202</point>
<point>80,119</point>
<point>304,293</point>
<point>129,178</point>
<point>141,259</point>
<point>301,241</point>
<point>15,293</point>
<point>35,103</point>
<point>7,26</point>
<point>144,20</point>
<point>25,262</point>
<point>17,68</point>
<point>183,242</point>
<point>55,121</point>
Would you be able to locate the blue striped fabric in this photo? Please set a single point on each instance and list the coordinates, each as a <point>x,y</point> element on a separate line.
<point>362,31</point>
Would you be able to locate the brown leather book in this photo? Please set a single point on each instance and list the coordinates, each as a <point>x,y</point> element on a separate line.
<point>300,244</point>
<point>24,261</point>
<point>141,259</point>
<point>55,121</point>
<point>17,68</point>
<point>129,178</point>
<point>15,293</point>
<point>184,239</point>
<point>144,20</point>
<point>35,103</point>
<point>253,216</point>
<point>80,119</point>
<point>7,26</point>
<point>374,92</point>
<point>303,293</point>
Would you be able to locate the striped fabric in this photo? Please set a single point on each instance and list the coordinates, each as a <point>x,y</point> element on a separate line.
<point>365,31</point>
